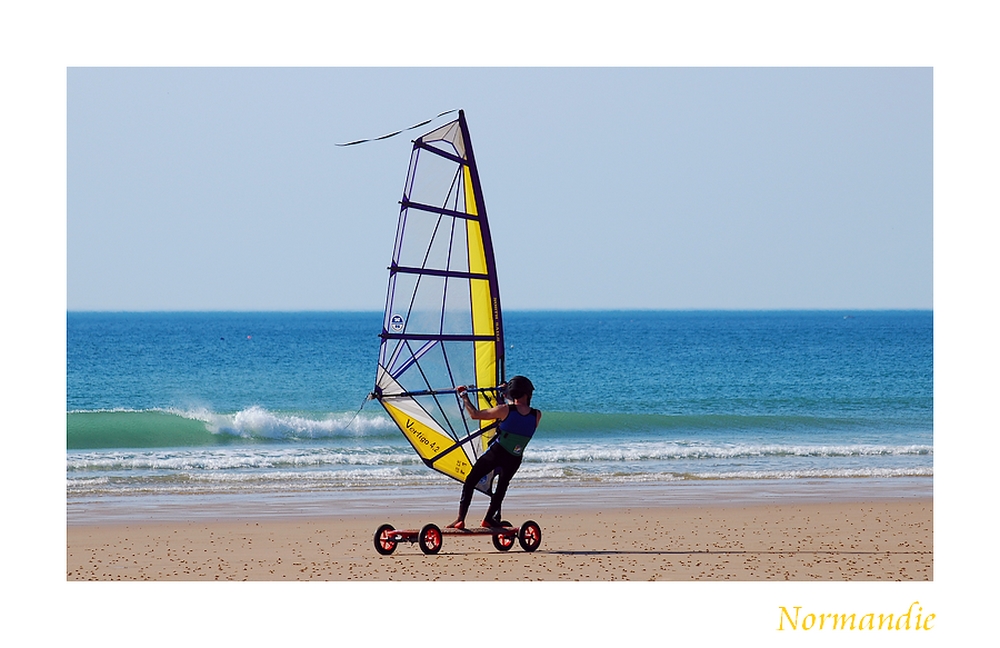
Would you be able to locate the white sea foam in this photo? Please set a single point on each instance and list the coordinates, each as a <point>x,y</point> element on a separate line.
<point>661,451</point>
<point>819,473</point>
<point>256,421</point>
<point>220,473</point>
<point>243,458</point>
<point>112,410</point>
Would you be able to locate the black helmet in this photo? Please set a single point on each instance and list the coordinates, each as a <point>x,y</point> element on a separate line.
<point>518,387</point>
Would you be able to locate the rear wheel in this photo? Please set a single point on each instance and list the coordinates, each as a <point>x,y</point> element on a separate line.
<point>530,535</point>
<point>384,542</point>
<point>430,539</point>
<point>503,541</point>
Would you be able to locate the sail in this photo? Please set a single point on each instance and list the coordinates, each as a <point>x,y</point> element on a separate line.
<point>442,325</point>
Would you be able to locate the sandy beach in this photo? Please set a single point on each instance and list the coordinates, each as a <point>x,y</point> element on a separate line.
<point>881,539</point>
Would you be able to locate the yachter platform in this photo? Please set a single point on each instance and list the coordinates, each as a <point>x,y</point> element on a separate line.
<point>430,537</point>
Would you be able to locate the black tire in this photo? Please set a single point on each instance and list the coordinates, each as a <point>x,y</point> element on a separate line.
<point>503,541</point>
<point>430,539</point>
<point>530,535</point>
<point>384,544</point>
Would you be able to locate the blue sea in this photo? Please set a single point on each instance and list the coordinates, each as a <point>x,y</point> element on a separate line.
<point>203,405</point>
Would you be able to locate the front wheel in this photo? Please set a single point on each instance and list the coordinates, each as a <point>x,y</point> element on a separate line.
<point>430,539</point>
<point>384,542</point>
<point>530,535</point>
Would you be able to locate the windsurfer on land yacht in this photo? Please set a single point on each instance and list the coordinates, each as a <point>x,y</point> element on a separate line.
<point>518,421</point>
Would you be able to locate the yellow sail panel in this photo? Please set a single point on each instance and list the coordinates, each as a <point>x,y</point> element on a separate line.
<point>477,255</point>
<point>454,464</point>
<point>486,362</point>
<point>482,312</point>
<point>482,305</point>
<point>470,198</point>
<point>428,442</point>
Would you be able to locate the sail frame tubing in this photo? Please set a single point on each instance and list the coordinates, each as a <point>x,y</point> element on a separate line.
<point>430,356</point>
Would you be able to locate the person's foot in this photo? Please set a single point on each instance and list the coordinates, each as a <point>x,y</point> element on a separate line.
<point>489,524</point>
<point>457,524</point>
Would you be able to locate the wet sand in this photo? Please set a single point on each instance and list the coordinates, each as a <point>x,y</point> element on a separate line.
<point>877,540</point>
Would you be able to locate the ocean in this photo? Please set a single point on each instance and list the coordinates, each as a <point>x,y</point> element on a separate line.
<point>200,407</point>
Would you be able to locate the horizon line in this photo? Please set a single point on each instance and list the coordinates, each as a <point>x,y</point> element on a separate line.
<point>528,310</point>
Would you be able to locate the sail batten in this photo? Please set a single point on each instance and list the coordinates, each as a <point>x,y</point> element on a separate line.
<point>442,325</point>
<point>444,211</point>
<point>436,151</point>
<point>457,274</point>
<point>439,338</point>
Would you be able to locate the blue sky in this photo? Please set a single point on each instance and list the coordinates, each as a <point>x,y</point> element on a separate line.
<point>606,188</point>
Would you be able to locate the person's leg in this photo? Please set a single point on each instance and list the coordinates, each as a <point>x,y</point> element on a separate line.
<point>506,472</point>
<point>482,467</point>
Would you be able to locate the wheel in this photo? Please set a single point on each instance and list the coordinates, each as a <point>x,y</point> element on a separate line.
<point>530,535</point>
<point>503,541</point>
<point>430,539</point>
<point>384,543</point>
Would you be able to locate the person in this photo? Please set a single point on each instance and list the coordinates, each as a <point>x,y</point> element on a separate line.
<point>518,422</point>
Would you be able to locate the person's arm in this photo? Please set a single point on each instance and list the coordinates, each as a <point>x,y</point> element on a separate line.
<point>491,414</point>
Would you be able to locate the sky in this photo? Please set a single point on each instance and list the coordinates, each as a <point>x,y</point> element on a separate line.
<point>606,188</point>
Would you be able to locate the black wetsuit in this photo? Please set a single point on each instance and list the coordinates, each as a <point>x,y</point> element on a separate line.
<point>514,431</point>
